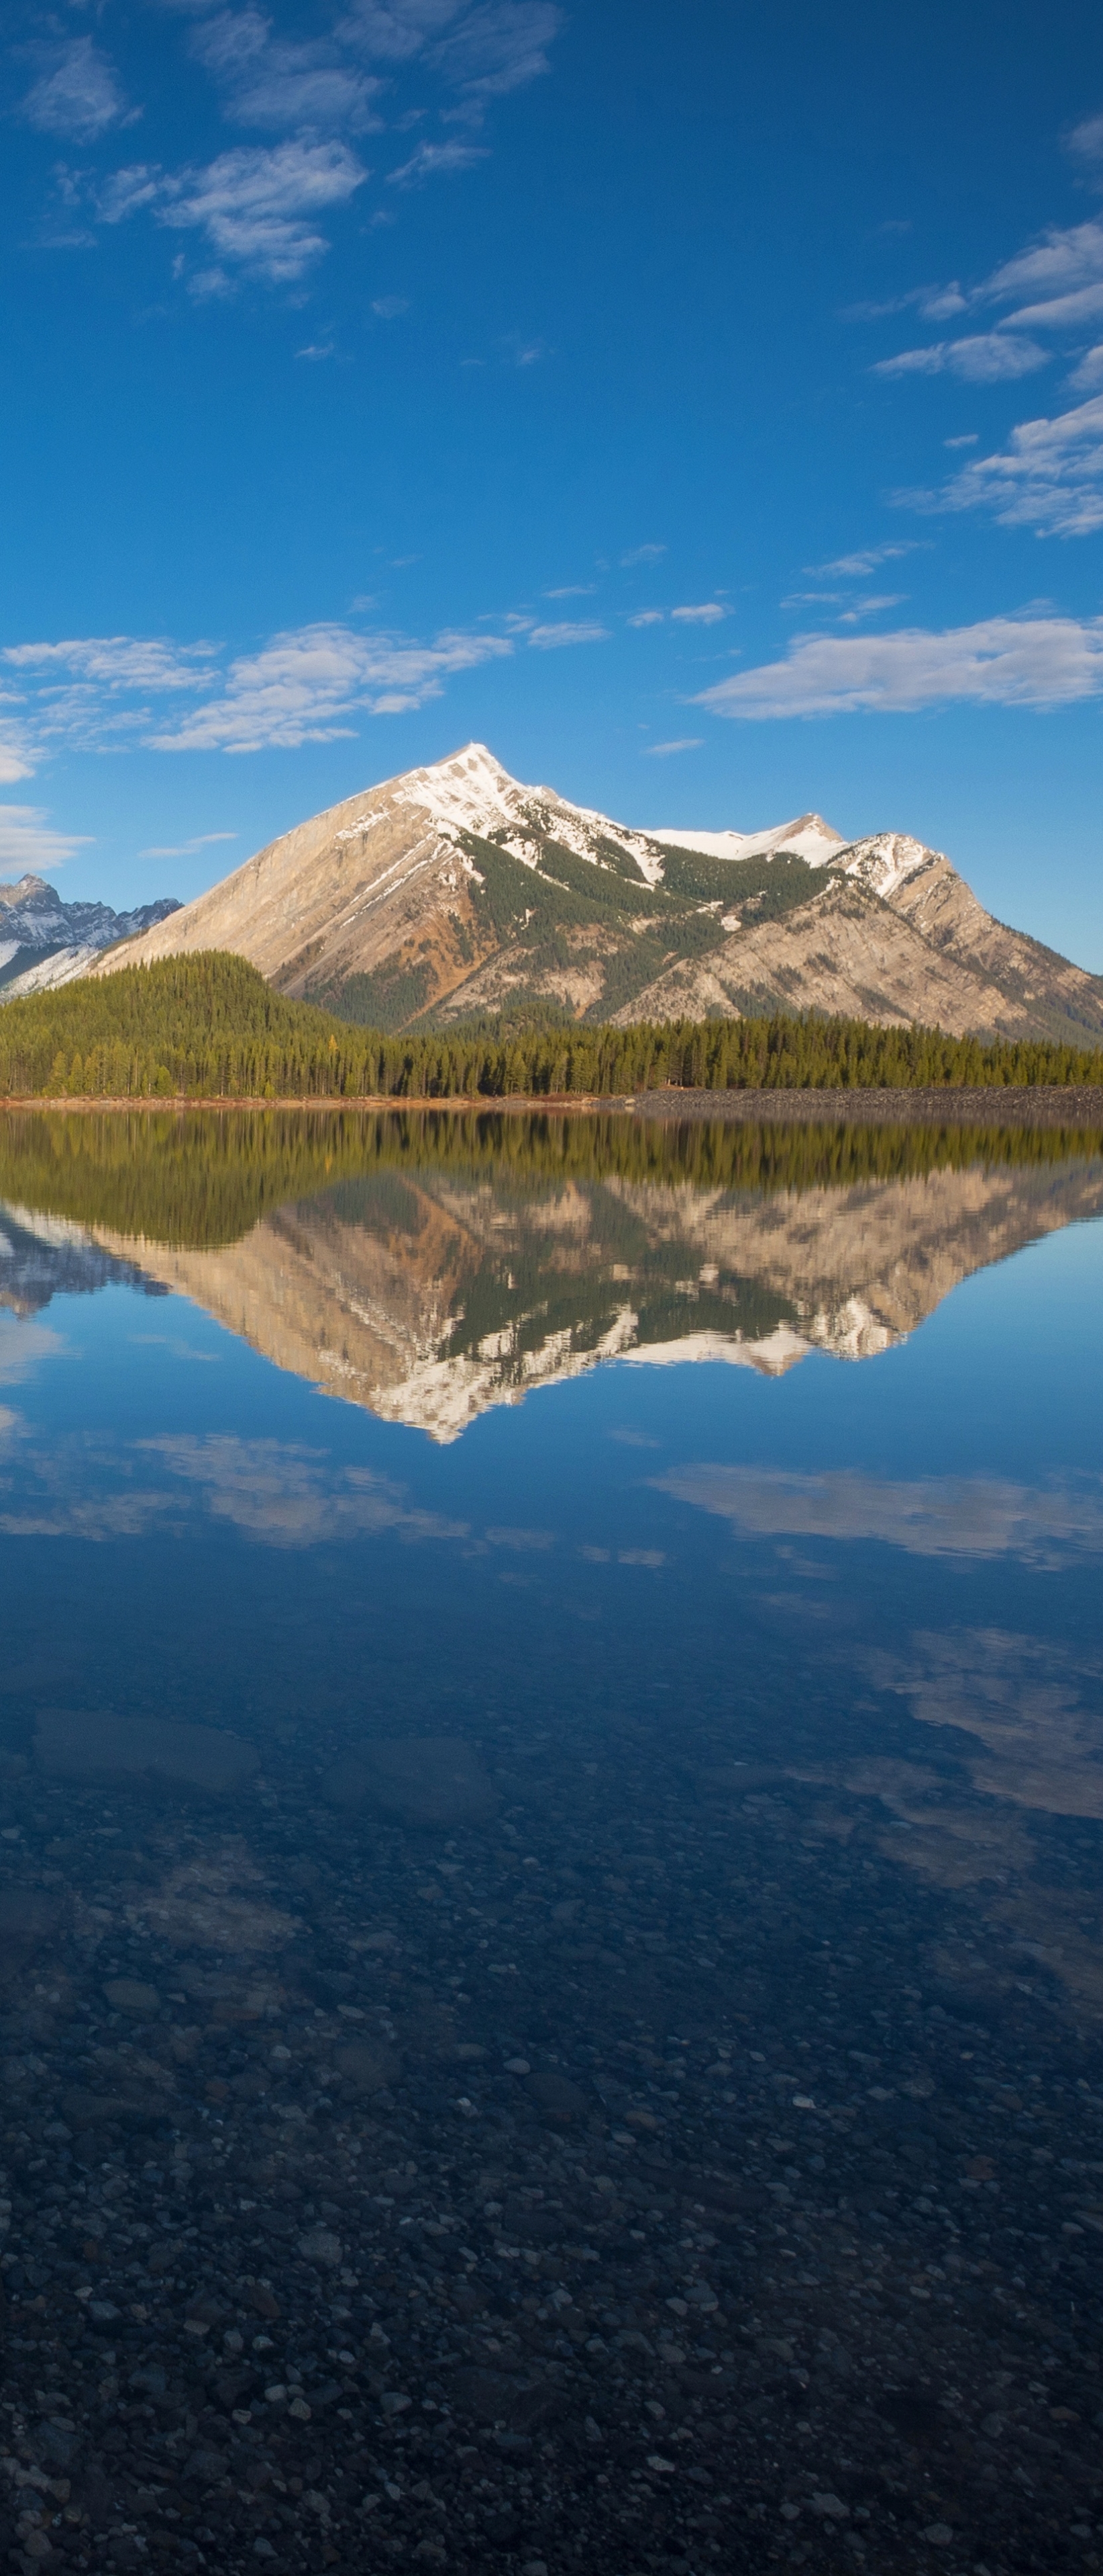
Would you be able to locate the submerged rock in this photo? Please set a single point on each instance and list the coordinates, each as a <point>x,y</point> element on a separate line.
<point>419,1780</point>
<point>81,1744</point>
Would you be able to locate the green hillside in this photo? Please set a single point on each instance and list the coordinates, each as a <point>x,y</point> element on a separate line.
<point>209,1027</point>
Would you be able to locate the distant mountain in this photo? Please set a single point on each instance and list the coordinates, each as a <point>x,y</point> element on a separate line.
<point>44,941</point>
<point>455,890</point>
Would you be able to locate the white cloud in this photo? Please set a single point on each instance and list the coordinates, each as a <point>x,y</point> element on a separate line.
<point>116,662</point>
<point>436,160</point>
<point>855,567</point>
<point>663,750</point>
<point>316,350</point>
<point>311,685</point>
<point>641,555</point>
<point>186,849</point>
<point>871,607</point>
<point>1061,278</point>
<point>1056,264</point>
<point>481,52</point>
<point>388,307</point>
<point>1059,312</point>
<point>969,438</point>
<point>708,614</point>
<point>258,207</point>
<point>1086,142</point>
<point>16,757</point>
<point>647,617</point>
<point>269,81</point>
<point>306,686</point>
<point>498,46</point>
<point>988,358</point>
<point>1049,477</point>
<point>29,841</point>
<point>396,33</point>
<point>573,590</point>
<point>547,638</point>
<point>1089,373</point>
<point>77,93</point>
<point>1004,661</point>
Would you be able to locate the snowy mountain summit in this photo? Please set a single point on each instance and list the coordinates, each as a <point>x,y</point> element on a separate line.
<point>44,941</point>
<point>456,892</point>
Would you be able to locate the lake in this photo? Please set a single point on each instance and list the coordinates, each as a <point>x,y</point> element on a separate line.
<point>551,1804</point>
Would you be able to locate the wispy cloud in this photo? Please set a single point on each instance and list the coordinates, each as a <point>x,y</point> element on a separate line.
<point>186,849</point>
<point>258,207</point>
<point>262,212</point>
<point>268,81</point>
<point>312,684</point>
<point>1089,373</point>
<point>641,555</point>
<point>309,685</point>
<point>77,93</point>
<point>856,567</point>
<point>664,750</point>
<point>435,161</point>
<point>573,590</point>
<point>29,841</point>
<point>1055,286</point>
<point>1049,477</point>
<point>479,52</point>
<point>16,752</point>
<point>709,613</point>
<point>285,1495</point>
<point>873,607</point>
<point>1085,143</point>
<point>933,1516</point>
<point>647,617</point>
<point>388,307</point>
<point>1025,661</point>
<point>115,662</point>
<point>546,639</point>
<point>987,358</point>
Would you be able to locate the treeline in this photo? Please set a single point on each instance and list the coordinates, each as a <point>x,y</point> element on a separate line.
<point>209,1027</point>
<point>204,1178</point>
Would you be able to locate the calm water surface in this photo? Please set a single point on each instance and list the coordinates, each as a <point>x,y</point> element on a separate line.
<point>551,1769</point>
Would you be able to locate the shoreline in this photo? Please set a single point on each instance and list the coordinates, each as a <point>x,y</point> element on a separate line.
<point>1014,1105</point>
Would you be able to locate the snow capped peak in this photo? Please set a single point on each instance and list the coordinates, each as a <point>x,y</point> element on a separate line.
<point>28,889</point>
<point>884,861</point>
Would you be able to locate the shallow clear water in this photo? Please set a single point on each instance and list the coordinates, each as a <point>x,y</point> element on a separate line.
<point>551,1751</point>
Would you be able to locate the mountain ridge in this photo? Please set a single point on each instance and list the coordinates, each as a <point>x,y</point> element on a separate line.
<point>455,891</point>
<point>44,941</point>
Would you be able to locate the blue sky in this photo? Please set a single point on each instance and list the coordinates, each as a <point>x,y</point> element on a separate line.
<point>707,413</point>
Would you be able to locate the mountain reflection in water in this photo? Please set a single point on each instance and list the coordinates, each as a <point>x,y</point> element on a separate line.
<point>551,1981</point>
<point>458,1263</point>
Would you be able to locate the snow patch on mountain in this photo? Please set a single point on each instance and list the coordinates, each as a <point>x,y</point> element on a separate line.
<point>885,861</point>
<point>807,837</point>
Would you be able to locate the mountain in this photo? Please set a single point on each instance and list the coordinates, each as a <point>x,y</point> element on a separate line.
<point>429,1296</point>
<point>454,891</point>
<point>44,941</point>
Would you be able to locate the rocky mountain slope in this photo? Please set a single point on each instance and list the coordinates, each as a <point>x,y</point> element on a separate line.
<point>431,1299</point>
<point>455,890</point>
<point>44,941</point>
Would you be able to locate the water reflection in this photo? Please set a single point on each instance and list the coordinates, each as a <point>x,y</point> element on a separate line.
<point>551,1982</point>
<point>460,1263</point>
